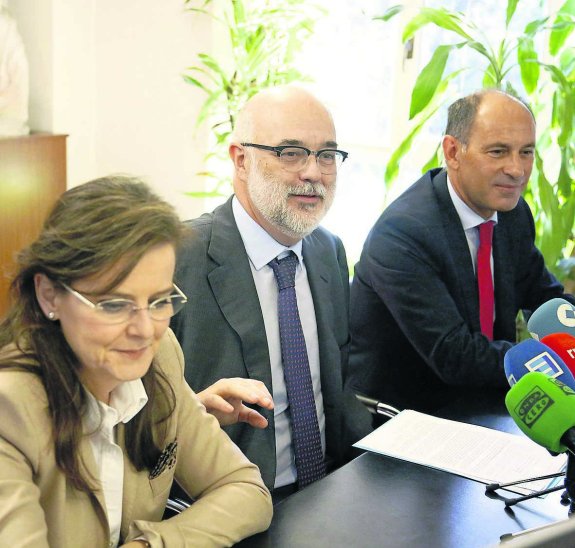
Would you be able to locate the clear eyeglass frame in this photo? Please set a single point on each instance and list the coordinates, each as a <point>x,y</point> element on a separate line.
<point>116,311</point>
<point>294,158</point>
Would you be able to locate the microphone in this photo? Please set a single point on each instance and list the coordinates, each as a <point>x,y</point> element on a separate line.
<point>554,316</point>
<point>531,355</point>
<point>564,345</point>
<point>544,410</point>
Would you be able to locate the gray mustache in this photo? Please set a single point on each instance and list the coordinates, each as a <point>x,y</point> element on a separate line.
<point>308,189</point>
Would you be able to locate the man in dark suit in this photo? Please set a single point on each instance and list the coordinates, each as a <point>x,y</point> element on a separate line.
<point>230,326</point>
<point>417,341</point>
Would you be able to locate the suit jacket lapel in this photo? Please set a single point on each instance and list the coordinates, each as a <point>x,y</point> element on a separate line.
<point>504,283</point>
<point>233,286</point>
<point>456,242</point>
<point>319,275</point>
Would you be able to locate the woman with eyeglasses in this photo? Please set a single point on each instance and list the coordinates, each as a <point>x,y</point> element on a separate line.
<point>96,418</point>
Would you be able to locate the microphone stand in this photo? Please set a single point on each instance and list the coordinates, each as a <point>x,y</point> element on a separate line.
<point>493,486</point>
<point>570,480</point>
<point>512,501</point>
<point>568,439</point>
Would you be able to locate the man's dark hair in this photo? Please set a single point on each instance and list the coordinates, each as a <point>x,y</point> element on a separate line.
<point>461,114</point>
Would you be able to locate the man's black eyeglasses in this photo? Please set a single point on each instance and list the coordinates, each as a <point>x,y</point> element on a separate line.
<point>294,158</point>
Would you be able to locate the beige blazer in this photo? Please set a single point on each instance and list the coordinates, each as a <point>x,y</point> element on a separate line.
<point>39,507</point>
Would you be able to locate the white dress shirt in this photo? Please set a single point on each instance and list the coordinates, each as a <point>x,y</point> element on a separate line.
<point>261,248</point>
<point>470,221</point>
<point>99,424</point>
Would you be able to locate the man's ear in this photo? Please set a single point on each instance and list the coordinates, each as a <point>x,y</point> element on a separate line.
<point>239,158</point>
<point>451,151</point>
<point>47,295</point>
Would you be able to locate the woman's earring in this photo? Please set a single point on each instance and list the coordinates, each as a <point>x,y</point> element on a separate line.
<point>51,315</point>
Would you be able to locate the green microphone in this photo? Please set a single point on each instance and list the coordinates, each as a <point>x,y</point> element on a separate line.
<point>544,409</point>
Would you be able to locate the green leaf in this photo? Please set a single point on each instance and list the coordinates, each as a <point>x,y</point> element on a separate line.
<point>567,63</point>
<point>511,5</point>
<point>555,217</point>
<point>189,80</point>
<point>198,10</point>
<point>557,76</point>
<point>528,65</point>
<point>480,48</point>
<point>206,2</point>
<point>428,80</point>
<point>489,77</point>
<point>255,40</point>
<point>562,27</point>
<point>207,107</point>
<point>443,18</point>
<point>533,27</point>
<point>208,74</point>
<point>392,167</point>
<point>564,182</point>
<point>207,174</point>
<point>212,64</point>
<point>502,53</point>
<point>563,107</point>
<point>205,194</point>
<point>239,11</point>
<point>389,13</point>
<point>434,160</point>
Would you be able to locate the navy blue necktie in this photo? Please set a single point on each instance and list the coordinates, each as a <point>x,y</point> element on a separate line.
<point>306,436</point>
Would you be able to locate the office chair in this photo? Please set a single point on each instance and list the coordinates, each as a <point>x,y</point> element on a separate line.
<point>175,506</point>
<point>376,407</point>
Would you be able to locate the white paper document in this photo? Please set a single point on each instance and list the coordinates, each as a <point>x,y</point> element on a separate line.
<point>474,452</point>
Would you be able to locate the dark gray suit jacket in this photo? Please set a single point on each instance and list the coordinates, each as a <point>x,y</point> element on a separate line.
<point>416,337</point>
<point>222,332</point>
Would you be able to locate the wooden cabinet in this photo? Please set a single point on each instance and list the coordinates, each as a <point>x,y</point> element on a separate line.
<point>32,176</point>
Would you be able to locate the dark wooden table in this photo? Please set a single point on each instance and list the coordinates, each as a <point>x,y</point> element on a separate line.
<point>380,501</point>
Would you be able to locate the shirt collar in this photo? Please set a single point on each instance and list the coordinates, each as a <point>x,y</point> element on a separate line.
<point>469,218</point>
<point>260,246</point>
<point>126,401</point>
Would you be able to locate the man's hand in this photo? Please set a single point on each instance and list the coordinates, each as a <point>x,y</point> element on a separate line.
<point>224,399</point>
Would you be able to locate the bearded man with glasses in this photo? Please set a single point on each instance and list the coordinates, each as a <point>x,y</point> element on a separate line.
<point>286,161</point>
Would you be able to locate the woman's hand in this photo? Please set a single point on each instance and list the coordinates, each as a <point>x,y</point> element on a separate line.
<point>224,399</point>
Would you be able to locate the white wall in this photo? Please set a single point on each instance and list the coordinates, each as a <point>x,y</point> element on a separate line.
<point>108,74</point>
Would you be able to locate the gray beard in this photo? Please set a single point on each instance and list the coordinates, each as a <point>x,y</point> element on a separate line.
<point>270,198</point>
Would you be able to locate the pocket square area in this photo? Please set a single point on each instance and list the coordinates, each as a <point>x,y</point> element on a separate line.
<point>166,461</point>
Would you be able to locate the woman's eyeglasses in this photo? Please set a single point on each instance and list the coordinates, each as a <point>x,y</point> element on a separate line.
<point>114,311</point>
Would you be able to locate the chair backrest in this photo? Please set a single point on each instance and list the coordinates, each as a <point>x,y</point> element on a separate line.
<point>174,507</point>
<point>377,407</point>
